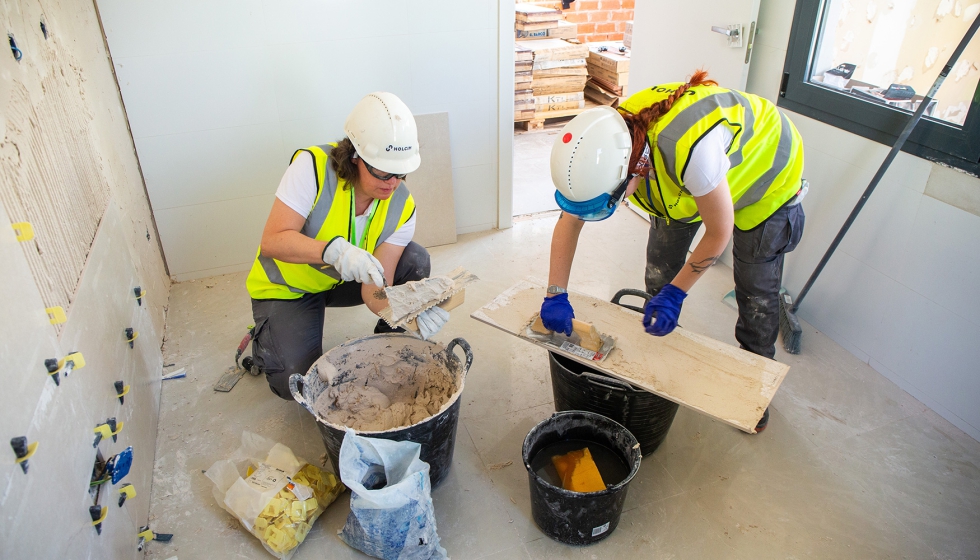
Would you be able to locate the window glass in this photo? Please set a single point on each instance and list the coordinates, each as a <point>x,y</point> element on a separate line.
<point>891,51</point>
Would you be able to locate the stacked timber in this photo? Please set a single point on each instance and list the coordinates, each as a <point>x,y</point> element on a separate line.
<point>564,30</point>
<point>628,36</point>
<point>531,18</point>
<point>558,77</point>
<point>609,72</point>
<point>523,96</point>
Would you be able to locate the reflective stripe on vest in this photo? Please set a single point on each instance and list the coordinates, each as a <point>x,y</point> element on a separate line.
<point>766,153</point>
<point>329,218</point>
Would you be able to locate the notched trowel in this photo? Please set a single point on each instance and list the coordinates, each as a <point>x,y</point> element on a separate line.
<point>407,301</point>
<point>585,342</point>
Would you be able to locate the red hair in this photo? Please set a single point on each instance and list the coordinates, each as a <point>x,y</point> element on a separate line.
<point>639,123</point>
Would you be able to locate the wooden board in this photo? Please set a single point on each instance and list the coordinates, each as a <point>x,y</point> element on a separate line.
<point>729,384</point>
<point>431,184</point>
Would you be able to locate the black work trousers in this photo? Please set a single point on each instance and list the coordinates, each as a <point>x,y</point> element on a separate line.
<point>289,333</point>
<point>758,264</point>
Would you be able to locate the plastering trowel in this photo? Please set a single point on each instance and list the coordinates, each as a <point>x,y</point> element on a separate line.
<point>585,341</point>
<point>407,301</point>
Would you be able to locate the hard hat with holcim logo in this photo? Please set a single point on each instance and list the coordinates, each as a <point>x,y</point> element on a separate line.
<point>589,162</point>
<point>383,132</point>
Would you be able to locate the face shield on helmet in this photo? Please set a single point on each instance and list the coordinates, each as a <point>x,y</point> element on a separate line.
<point>589,164</point>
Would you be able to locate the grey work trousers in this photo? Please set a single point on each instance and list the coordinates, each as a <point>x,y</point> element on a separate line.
<point>758,259</point>
<point>289,332</point>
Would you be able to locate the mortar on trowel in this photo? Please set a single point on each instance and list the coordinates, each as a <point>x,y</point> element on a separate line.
<point>407,301</point>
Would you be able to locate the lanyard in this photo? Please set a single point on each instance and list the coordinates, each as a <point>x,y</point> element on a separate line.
<point>359,239</point>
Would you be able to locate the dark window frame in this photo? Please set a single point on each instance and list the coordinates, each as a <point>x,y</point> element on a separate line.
<point>931,139</point>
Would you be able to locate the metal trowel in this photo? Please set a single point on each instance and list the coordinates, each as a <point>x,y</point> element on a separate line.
<point>585,341</point>
<point>406,297</point>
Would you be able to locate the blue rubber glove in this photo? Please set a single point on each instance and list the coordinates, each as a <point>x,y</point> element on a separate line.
<point>667,306</point>
<point>557,314</point>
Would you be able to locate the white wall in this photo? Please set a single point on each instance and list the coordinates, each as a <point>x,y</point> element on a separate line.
<point>220,93</point>
<point>901,292</point>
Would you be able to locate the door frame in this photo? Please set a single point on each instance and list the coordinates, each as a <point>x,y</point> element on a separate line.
<point>505,113</point>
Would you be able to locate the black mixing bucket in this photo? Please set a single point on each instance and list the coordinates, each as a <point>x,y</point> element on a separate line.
<point>574,517</point>
<point>437,434</point>
<point>578,387</point>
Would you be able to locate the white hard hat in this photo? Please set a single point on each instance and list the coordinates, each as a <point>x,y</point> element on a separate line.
<point>384,134</point>
<point>589,162</point>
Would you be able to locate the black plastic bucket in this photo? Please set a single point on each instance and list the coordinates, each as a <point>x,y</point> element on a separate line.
<point>573,517</point>
<point>578,387</point>
<point>436,434</point>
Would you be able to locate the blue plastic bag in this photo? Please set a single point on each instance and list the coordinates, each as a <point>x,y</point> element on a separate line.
<point>391,514</point>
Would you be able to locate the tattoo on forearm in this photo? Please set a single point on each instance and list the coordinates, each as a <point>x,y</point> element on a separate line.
<point>380,294</point>
<point>701,266</point>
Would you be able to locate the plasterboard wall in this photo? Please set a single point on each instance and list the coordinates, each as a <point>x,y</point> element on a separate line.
<point>901,290</point>
<point>220,94</point>
<point>44,513</point>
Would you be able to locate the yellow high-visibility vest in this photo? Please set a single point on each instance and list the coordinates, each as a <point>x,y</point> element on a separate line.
<point>329,218</point>
<point>766,153</point>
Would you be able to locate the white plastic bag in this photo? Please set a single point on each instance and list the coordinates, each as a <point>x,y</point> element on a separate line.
<point>391,514</point>
<point>276,496</point>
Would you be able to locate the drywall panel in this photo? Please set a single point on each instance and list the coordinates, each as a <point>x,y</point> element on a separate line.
<point>206,238</point>
<point>432,184</point>
<point>296,80</point>
<point>213,164</point>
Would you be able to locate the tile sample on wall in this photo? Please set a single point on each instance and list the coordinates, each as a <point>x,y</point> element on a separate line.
<point>432,184</point>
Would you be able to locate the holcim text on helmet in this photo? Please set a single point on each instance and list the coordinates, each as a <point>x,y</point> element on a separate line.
<point>391,148</point>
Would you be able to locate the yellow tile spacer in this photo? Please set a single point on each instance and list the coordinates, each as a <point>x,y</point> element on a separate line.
<point>30,451</point>
<point>136,334</point>
<point>125,392</point>
<point>23,230</point>
<point>105,511</point>
<point>105,431</point>
<point>75,357</point>
<point>128,490</point>
<point>56,315</point>
<point>146,535</point>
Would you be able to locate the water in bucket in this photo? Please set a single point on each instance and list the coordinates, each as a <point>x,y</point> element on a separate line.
<point>611,466</point>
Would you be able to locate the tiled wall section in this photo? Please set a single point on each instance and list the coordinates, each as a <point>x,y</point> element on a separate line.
<point>901,290</point>
<point>220,94</point>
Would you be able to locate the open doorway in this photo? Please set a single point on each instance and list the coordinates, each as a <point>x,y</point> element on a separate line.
<point>568,56</point>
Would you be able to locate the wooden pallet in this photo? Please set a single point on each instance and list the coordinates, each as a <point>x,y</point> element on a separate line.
<point>541,118</point>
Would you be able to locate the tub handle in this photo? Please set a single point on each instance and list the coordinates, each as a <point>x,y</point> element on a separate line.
<point>466,350</point>
<point>296,382</point>
<point>631,292</point>
<point>608,381</point>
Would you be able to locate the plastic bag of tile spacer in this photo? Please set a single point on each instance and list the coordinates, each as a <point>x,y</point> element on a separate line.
<point>273,493</point>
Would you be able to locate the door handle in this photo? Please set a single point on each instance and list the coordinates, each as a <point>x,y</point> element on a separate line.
<point>733,32</point>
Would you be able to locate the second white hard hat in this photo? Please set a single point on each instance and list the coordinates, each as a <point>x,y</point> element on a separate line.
<point>383,132</point>
<point>591,155</point>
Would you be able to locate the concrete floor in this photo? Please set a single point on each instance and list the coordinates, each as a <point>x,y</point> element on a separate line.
<point>851,466</point>
<point>533,189</point>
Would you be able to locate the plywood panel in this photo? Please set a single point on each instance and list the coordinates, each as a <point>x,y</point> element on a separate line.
<point>724,382</point>
<point>432,184</point>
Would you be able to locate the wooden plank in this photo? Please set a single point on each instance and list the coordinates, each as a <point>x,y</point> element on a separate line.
<point>729,384</point>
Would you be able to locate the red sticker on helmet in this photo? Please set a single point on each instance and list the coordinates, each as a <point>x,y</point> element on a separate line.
<point>567,137</point>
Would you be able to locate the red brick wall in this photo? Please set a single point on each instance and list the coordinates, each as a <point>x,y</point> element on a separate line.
<point>598,20</point>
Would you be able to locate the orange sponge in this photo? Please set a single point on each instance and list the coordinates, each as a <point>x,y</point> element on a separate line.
<point>578,471</point>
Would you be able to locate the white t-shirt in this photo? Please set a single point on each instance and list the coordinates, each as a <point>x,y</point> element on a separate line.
<point>297,189</point>
<point>709,162</point>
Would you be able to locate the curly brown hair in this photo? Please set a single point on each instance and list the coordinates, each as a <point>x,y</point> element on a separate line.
<point>344,164</point>
<point>639,123</point>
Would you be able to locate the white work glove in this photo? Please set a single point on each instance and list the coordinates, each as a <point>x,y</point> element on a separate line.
<point>353,263</point>
<point>431,320</point>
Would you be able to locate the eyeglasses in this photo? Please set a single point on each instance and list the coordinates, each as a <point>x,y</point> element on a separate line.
<point>384,177</point>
